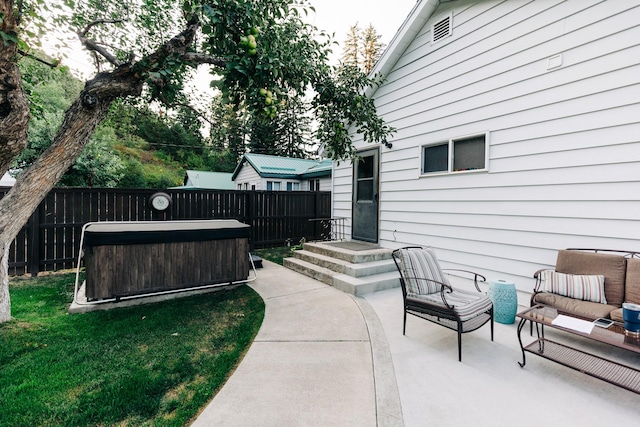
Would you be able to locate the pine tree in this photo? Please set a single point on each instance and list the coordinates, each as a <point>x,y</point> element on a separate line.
<point>351,50</point>
<point>371,48</point>
<point>362,48</point>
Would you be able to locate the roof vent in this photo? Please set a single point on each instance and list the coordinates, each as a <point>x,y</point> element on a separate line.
<point>441,29</point>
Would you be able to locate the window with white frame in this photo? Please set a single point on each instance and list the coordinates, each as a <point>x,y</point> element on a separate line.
<point>273,185</point>
<point>293,186</point>
<point>314,185</point>
<point>456,155</point>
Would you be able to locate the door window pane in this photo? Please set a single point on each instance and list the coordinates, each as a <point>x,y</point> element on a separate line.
<point>365,167</point>
<point>365,190</point>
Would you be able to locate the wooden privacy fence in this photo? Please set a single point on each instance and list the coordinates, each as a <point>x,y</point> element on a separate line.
<point>50,241</point>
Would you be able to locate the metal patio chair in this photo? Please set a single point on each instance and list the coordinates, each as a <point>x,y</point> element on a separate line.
<point>427,294</point>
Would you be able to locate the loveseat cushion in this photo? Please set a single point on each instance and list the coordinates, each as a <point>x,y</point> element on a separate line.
<point>612,267</point>
<point>578,286</point>
<point>632,287</point>
<point>586,309</point>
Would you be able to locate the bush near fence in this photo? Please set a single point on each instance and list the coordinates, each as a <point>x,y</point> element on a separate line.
<point>50,240</point>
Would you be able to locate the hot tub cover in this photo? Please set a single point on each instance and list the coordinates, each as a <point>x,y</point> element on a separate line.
<point>146,232</point>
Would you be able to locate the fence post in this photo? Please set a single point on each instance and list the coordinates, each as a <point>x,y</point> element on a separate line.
<point>34,242</point>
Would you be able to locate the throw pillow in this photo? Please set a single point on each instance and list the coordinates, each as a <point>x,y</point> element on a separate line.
<point>420,264</point>
<point>577,286</point>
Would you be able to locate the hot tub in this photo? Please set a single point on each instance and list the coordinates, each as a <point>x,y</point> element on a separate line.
<point>123,259</point>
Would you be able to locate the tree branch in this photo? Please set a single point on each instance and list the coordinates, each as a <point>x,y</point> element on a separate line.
<point>52,64</point>
<point>94,46</point>
<point>201,58</point>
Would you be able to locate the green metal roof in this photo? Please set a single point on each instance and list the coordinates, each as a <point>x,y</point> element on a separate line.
<point>208,180</point>
<point>285,167</point>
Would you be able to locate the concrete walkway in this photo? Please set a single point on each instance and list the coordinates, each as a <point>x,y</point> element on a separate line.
<point>326,358</point>
<point>320,359</point>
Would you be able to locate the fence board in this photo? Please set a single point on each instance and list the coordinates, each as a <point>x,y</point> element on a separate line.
<point>51,239</point>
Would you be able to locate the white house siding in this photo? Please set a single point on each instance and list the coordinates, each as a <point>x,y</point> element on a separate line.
<point>564,157</point>
<point>248,174</point>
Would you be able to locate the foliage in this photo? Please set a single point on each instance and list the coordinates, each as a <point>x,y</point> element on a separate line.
<point>155,364</point>
<point>340,103</point>
<point>97,165</point>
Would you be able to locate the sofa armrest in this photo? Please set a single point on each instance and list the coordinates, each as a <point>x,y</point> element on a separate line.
<point>538,276</point>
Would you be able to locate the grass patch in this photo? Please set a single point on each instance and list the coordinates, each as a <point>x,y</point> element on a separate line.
<point>275,255</point>
<point>156,364</point>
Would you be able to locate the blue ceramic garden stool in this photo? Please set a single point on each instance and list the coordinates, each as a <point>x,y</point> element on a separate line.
<point>505,300</point>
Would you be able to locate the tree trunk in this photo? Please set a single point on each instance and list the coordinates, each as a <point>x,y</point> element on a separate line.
<point>14,106</point>
<point>33,184</point>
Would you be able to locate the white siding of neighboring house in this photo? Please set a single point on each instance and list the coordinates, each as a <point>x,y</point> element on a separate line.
<point>325,183</point>
<point>564,157</point>
<point>248,175</point>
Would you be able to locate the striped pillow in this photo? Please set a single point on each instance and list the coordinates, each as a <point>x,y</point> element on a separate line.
<point>419,264</point>
<point>582,287</point>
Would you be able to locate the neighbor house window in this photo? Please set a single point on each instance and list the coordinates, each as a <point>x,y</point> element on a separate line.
<point>293,186</point>
<point>314,185</point>
<point>273,185</point>
<point>456,155</point>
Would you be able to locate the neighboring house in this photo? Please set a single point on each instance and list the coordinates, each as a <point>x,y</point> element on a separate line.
<point>7,180</point>
<point>274,173</point>
<point>518,133</point>
<point>201,180</point>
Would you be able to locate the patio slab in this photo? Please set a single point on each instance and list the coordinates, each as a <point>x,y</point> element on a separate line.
<point>488,387</point>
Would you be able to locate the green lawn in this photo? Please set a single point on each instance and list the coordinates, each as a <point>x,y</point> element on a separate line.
<point>275,254</point>
<point>157,364</point>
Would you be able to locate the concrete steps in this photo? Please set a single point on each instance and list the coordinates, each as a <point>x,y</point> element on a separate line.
<point>354,267</point>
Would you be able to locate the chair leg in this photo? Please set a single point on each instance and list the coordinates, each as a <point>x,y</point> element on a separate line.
<point>459,342</point>
<point>492,324</point>
<point>404,323</point>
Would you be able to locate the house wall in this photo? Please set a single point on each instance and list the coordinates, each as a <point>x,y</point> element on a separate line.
<point>564,143</point>
<point>249,175</point>
<point>325,183</point>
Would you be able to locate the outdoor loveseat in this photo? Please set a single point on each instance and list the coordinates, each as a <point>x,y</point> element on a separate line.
<point>590,283</point>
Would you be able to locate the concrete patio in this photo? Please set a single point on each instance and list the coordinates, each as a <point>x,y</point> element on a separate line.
<point>327,358</point>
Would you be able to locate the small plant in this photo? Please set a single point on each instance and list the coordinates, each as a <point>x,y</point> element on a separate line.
<point>299,246</point>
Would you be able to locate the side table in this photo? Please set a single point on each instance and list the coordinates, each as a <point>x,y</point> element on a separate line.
<point>505,300</point>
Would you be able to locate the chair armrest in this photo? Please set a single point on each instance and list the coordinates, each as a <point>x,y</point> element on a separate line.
<point>443,288</point>
<point>475,276</point>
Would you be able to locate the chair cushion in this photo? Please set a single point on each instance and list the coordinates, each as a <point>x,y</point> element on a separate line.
<point>419,264</point>
<point>612,267</point>
<point>582,287</point>
<point>466,304</point>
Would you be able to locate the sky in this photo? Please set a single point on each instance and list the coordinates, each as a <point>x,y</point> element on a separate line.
<point>336,16</point>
